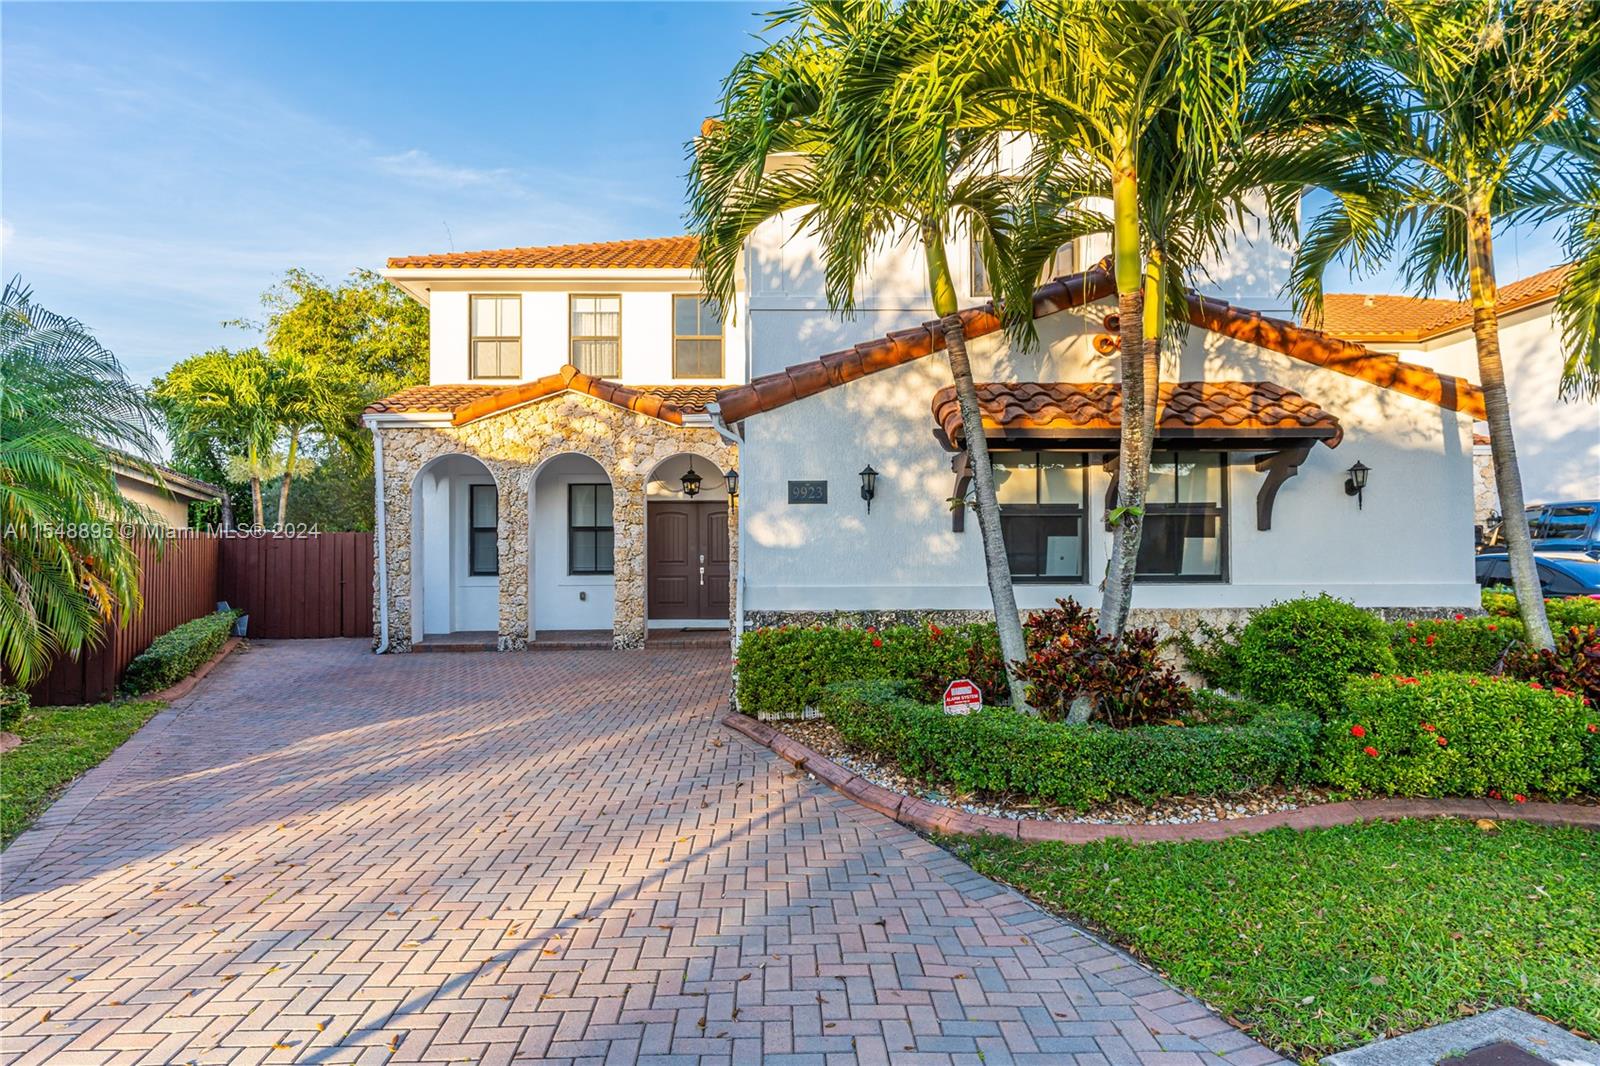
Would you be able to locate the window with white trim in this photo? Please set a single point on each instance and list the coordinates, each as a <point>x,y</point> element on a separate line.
<point>496,323</point>
<point>597,335</point>
<point>696,337</point>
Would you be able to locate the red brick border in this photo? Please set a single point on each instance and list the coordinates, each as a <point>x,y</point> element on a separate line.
<point>934,818</point>
<point>184,687</point>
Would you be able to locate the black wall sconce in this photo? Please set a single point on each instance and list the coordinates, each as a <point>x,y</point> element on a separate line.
<point>869,485</point>
<point>731,476</point>
<point>1357,481</point>
<point>691,481</point>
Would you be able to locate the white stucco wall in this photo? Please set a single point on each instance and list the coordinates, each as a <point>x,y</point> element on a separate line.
<point>453,600</point>
<point>1411,544</point>
<point>546,330</point>
<point>1558,442</point>
<point>562,600</point>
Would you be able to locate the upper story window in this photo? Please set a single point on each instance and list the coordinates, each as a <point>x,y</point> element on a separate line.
<point>597,335</point>
<point>1186,518</point>
<point>696,337</point>
<point>1041,498</point>
<point>1063,263</point>
<point>496,336</point>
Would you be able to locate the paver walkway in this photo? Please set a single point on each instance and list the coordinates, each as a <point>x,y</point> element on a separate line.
<point>322,856</point>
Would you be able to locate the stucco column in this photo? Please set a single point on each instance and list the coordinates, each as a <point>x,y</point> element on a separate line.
<point>515,485</point>
<point>628,531</point>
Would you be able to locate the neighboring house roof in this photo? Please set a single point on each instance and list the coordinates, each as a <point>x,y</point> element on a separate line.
<point>467,403</point>
<point>1357,316</point>
<point>174,482</point>
<point>650,253</point>
<point>771,391</point>
<point>1189,408</point>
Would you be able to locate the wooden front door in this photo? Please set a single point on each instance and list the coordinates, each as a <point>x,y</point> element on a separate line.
<point>687,560</point>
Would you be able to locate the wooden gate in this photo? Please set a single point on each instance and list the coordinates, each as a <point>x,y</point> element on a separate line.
<point>313,585</point>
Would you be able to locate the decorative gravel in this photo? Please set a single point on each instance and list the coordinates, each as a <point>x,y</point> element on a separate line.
<point>822,738</point>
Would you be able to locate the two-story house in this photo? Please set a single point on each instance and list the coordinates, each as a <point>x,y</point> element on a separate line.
<point>567,467</point>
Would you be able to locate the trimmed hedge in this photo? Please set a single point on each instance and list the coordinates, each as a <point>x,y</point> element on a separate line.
<point>1459,644</point>
<point>1460,735</point>
<point>783,669</point>
<point>1563,612</point>
<point>999,751</point>
<point>1298,653</point>
<point>177,653</point>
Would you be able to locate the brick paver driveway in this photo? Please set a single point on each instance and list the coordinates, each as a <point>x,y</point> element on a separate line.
<point>322,856</point>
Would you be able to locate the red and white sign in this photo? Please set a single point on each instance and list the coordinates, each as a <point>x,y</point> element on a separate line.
<point>962,697</point>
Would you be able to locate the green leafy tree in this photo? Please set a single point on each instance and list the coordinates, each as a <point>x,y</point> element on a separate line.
<point>869,121</point>
<point>1491,112</point>
<point>67,571</point>
<point>220,404</point>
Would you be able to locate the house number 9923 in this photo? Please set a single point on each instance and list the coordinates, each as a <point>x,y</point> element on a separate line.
<point>808,492</point>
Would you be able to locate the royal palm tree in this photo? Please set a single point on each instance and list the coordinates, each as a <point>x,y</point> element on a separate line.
<point>228,396</point>
<point>1141,99</point>
<point>1491,113</point>
<point>67,570</point>
<point>868,121</point>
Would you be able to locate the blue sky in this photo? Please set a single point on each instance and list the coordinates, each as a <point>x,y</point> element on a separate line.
<point>164,163</point>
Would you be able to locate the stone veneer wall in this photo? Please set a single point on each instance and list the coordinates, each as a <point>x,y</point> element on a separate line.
<point>512,445</point>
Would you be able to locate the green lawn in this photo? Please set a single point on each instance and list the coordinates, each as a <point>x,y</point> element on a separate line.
<point>1328,939</point>
<point>59,744</point>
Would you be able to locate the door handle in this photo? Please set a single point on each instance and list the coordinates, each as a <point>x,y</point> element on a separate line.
<point>702,575</point>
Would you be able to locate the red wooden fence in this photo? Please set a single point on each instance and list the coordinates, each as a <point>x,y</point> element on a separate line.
<point>178,579</point>
<point>316,585</point>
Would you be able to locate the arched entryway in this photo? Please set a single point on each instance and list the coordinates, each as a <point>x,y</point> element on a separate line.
<point>687,558</point>
<point>455,552</point>
<point>572,542</point>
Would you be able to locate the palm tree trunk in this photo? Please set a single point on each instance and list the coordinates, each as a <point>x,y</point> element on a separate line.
<point>1497,404</point>
<point>257,510</point>
<point>1008,621</point>
<point>1133,469</point>
<point>288,473</point>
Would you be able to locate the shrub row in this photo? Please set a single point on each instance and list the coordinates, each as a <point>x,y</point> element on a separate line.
<point>1563,611</point>
<point>1461,735</point>
<point>999,751</point>
<point>1459,644</point>
<point>177,653</point>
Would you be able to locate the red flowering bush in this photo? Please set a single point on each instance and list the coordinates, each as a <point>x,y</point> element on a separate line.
<point>1456,735</point>
<point>1466,645</point>
<point>1126,680</point>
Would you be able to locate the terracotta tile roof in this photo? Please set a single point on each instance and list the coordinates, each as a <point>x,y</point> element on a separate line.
<point>431,398</point>
<point>467,403</point>
<point>1356,316</point>
<point>771,391</point>
<point>651,253</point>
<point>1223,408</point>
<point>1336,354</point>
<point>686,397</point>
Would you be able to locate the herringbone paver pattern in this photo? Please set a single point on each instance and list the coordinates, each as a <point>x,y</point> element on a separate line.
<point>323,856</point>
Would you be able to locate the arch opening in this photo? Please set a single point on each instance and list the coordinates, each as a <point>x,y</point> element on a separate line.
<point>456,516</point>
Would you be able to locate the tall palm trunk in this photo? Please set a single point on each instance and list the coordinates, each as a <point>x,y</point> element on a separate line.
<point>256,509</point>
<point>288,473</point>
<point>1496,403</point>
<point>1008,620</point>
<point>1154,322</point>
<point>1133,467</point>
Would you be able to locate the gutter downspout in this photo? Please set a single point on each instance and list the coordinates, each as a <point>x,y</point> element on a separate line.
<point>727,434</point>
<point>383,540</point>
